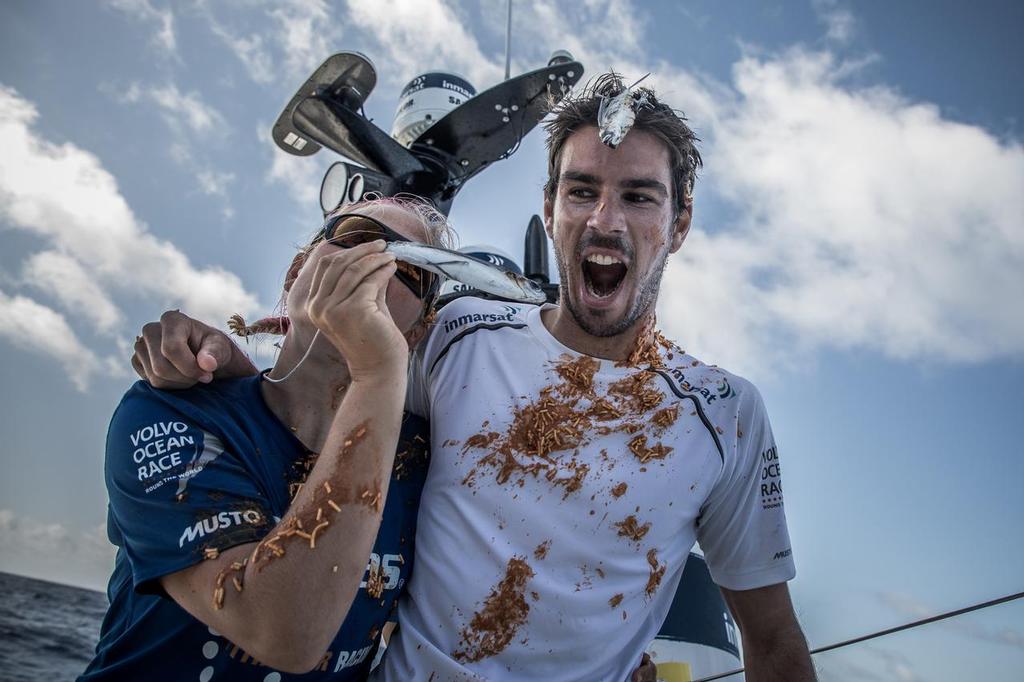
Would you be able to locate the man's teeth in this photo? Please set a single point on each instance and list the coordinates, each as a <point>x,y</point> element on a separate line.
<point>601,259</point>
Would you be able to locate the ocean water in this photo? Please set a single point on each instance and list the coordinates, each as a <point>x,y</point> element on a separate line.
<point>47,631</point>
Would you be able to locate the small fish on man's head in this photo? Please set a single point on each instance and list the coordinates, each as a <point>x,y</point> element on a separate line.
<point>617,113</point>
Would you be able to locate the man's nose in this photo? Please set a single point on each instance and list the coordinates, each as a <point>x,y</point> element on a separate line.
<point>607,216</point>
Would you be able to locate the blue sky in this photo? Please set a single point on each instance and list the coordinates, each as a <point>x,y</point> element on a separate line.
<point>857,251</point>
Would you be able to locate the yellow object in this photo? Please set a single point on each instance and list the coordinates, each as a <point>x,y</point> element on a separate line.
<point>672,671</point>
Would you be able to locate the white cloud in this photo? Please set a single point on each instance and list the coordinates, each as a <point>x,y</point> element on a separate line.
<point>602,34</point>
<point>188,108</point>
<point>299,175</point>
<point>215,183</point>
<point>840,24</point>
<point>35,328</point>
<point>181,111</point>
<point>837,667</point>
<point>50,551</point>
<point>250,50</point>
<point>64,278</point>
<point>965,625</point>
<point>864,221</point>
<point>414,36</point>
<point>856,217</point>
<point>88,221</point>
<point>306,32</point>
<point>189,117</point>
<point>143,10</point>
<point>896,664</point>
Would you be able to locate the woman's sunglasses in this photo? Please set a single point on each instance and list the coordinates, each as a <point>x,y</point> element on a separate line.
<point>350,229</point>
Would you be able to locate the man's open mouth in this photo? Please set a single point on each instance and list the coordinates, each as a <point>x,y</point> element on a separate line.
<point>603,274</point>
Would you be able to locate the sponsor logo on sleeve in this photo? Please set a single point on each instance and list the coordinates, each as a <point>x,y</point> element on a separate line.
<point>771,479</point>
<point>164,452</point>
<point>220,522</point>
<point>161,450</point>
<point>462,320</point>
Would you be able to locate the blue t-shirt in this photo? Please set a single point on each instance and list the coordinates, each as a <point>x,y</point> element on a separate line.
<point>212,467</point>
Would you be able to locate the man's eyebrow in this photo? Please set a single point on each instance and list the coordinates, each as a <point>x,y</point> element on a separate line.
<point>646,183</point>
<point>632,183</point>
<point>577,176</point>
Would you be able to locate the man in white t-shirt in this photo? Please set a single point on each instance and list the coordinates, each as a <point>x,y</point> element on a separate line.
<point>577,455</point>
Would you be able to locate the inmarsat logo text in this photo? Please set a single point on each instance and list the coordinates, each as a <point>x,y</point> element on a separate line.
<point>463,320</point>
<point>723,390</point>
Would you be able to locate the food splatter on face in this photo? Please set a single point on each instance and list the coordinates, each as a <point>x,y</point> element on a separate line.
<point>505,610</point>
<point>615,600</point>
<point>542,550</point>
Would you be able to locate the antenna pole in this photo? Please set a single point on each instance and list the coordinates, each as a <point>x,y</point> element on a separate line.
<point>508,40</point>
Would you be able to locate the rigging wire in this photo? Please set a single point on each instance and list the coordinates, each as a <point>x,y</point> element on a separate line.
<point>889,631</point>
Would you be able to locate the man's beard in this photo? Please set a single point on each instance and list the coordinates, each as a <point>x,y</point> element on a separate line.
<point>646,297</point>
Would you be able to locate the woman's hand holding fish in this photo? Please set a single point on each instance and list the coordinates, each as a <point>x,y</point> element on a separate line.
<point>347,303</point>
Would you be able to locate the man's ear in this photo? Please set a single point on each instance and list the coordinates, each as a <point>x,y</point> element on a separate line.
<point>293,269</point>
<point>682,225</point>
<point>549,220</point>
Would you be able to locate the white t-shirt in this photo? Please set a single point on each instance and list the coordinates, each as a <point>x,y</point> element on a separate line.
<point>554,553</point>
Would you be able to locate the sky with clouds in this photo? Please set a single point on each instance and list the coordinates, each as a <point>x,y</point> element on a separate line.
<point>857,250</point>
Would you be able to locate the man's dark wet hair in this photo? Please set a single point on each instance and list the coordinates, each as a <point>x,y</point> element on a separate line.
<point>576,111</point>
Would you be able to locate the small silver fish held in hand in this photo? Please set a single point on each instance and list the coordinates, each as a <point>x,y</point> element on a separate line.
<point>468,270</point>
<point>616,114</point>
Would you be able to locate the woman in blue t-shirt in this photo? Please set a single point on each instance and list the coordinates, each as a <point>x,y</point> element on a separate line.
<point>265,525</point>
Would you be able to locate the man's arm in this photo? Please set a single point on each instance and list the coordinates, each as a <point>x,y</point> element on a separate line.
<point>178,352</point>
<point>774,648</point>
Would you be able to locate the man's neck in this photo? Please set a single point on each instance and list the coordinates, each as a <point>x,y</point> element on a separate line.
<point>307,399</point>
<point>560,322</point>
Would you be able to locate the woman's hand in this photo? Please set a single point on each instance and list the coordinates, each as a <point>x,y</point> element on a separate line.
<point>347,303</point>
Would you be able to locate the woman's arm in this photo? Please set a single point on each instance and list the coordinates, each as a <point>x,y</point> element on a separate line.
<point>284,598</point>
